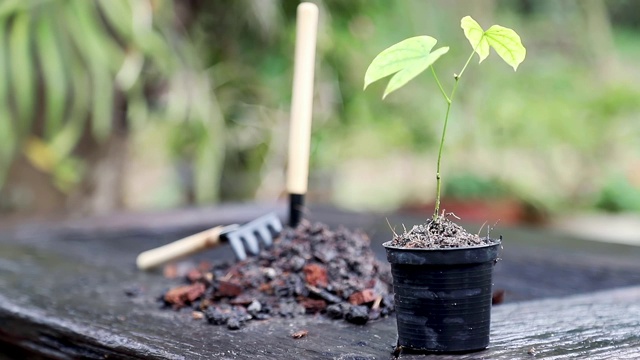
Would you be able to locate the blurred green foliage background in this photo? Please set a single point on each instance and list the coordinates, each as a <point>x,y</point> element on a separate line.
<point>147,104</point>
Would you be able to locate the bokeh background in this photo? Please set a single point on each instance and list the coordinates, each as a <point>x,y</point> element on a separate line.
<point>139,105</point>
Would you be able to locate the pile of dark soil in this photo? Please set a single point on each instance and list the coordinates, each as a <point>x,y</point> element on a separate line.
<point>440,233</point>
<point>309,270</point>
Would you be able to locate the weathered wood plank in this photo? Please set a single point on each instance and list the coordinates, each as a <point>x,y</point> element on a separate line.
<point>62,296</point>
<point>602,325</point>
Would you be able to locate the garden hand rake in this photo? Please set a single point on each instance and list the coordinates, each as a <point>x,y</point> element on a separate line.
<point>243,239</point>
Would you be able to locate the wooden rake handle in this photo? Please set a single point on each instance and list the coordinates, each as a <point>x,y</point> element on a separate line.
<point>301,109</point>
<point>180,248</point>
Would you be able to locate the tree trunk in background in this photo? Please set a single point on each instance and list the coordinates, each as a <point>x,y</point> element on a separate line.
<point>598,36</point>
<point>483,11</point>
<point>29,191</point>
<point>32,192</point>
<point>102,188</point>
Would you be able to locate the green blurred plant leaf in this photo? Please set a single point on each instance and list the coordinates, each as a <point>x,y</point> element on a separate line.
<point>70,65</point>
<point>506,42</point>
<point>100,56</point>
<point>53,72</point>
<point>507,45</point>
<point>475,34</point>
<point>22,74</point>
<point>7,131</point>
<point>118,14</point>
<point>406,59</point>
<point>9,7</point>
<point>78,97</point>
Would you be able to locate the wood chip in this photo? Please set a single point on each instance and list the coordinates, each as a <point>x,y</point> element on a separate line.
<point>299,334</point>
<point>497,297</point>
<point>170,271</point>
<point>197,315</point>
<point>228,289</point>
<point>316,275</point>
<point>182,295</point>
<point>194,275</point>
<point>313,306</point>
<point>362,297</point>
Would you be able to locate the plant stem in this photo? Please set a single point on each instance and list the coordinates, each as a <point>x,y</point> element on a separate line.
<point>433,71</point>
<point>449,100</point>
<point>465,66</point>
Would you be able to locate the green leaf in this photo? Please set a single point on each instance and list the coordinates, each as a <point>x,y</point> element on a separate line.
<point>79,97</point>
<point>53,71</point>
<point>99,52</point>
<point>102,111</point>
<point>476,36</point>
<point>406,59</point>
<point>404,76</point>
<point>22,74</point>
<point>11,7</point>
<point>8,137</point>
<point>395,58</point>
<point>118,14</point>
<point>507,44</point>
<point>66,139</point>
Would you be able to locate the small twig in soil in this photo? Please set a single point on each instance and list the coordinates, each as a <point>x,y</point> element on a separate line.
<point>493,227</point>
<point>453,214</point>
<point>481,227</point>
<point>392,229</point>
<point>397,350</point>
<point>376,303</point>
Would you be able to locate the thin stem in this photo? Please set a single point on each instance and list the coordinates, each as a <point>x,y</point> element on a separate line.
<point>436,212</point>
<point>433,71</point>
<point>466,64</point>
<point>449,99</point>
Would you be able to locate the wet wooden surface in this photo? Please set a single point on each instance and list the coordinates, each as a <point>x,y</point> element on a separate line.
<point>63,295</point>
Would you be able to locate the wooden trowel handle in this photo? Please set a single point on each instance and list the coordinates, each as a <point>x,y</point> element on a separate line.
<point>180,248</point>
<point>301,107</point>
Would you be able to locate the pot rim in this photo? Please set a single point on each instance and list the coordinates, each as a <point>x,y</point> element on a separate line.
<point>495,242</point>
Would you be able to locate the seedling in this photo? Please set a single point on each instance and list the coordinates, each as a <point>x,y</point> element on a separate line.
<point>410,57</point>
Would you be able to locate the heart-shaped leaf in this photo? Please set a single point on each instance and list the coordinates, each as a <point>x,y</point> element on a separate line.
<point>406,59</point>
<point>507,44</point>
<point>504,41</point>
<point>476,36</point>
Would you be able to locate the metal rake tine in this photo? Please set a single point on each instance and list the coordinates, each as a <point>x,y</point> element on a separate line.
<point>251,242</point>
<point>265,235</point>
<point>246,238</point>
<point>275,224</point>
<point>236,244</point>
<point>266,227</point>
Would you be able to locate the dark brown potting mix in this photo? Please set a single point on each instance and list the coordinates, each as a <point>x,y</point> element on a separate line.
<point>309,270</point>
<point>441,233</point>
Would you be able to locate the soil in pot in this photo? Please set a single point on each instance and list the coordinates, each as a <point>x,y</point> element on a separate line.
<point>440,234</point>
<point>442,278</point>
<point>309,270</point>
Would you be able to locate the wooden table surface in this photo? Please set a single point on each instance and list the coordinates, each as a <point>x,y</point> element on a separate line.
<point>63,285</point>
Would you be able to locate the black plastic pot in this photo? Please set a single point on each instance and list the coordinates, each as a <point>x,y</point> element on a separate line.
<point>443,297</point>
